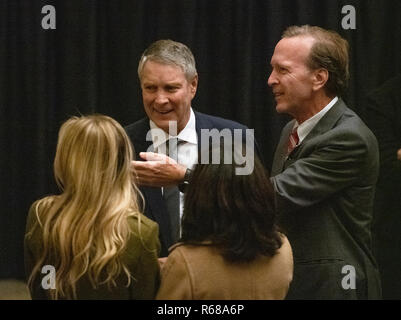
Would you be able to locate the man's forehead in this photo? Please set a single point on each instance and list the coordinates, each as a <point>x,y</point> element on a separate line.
<point>298,41</point>
<point>292,49</point>
<point>158,71</point>
<point>161,65</point>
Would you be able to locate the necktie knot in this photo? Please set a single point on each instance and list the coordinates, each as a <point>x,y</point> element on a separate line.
<point>293,141</point>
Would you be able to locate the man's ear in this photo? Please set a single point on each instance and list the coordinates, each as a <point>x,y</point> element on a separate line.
<point>194,85</point>
<point>320,77</point>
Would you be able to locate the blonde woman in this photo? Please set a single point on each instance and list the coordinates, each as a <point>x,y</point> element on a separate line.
<point>91,241</point>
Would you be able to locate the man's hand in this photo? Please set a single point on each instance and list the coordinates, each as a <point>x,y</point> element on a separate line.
<point>399,154</point>
<point>158,170</point>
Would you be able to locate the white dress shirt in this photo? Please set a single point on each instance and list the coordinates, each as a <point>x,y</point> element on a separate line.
<point>187,152</point>
<point>305,127</point>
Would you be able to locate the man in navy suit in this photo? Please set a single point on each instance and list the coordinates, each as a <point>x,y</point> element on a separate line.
<point>169,82</point>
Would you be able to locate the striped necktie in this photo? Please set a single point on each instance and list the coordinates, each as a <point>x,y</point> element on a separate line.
<point>293,141</point>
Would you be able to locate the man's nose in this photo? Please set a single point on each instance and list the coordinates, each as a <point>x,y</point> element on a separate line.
<point>161,97</point>
<point>272,79</point>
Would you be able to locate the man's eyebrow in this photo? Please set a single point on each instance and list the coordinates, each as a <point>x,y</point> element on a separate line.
<point>283,64</point>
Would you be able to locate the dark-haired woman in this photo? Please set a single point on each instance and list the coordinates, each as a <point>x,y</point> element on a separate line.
<point>230,246</point>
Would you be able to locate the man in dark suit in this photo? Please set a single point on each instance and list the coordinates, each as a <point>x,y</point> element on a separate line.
<point>383,113</point>
<point>324,170</point>
<point>169,81</point>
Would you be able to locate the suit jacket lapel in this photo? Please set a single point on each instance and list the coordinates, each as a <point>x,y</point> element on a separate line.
<point>139,140</point>
<point>328,121</point>
<point>280,155</point>
<point>201,123</point>
<point>153,196</point>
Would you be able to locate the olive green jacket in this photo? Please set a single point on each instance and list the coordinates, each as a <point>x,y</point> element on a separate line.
<point>140,258</point>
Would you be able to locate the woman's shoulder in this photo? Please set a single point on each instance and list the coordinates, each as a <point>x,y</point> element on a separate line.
<point>285,246</point>
<point>43,203</point>
<point>144,238</point>
<point>284,257</point>
<point>33,233</point>
<point>139,221</point>
<point>193,253</point>
<point>37,207</point>
<point>144,230</point>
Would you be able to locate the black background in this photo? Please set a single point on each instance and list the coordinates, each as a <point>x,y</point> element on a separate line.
<point>88,64</point>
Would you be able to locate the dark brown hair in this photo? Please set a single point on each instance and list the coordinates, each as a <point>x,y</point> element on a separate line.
<point>236,213</point>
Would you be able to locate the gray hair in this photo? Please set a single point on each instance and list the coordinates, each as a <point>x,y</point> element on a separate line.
<point>172,53</point>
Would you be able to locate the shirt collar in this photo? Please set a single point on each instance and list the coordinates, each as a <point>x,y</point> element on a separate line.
<point>306,127</point>
<point>188,134</point>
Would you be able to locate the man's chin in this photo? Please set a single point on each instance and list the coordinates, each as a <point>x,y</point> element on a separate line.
<point>280,108</point>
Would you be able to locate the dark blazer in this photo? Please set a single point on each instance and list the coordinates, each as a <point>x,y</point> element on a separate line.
<point>383,113</point>
<point>140,258</point>
<point>325,193</point>
<point>155,208</point>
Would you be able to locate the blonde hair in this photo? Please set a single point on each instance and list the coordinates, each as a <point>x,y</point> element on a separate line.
<point>85,228</point>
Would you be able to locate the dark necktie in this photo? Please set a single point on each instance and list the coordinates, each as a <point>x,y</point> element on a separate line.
<point>293,141</point>
<point>171,194</point>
